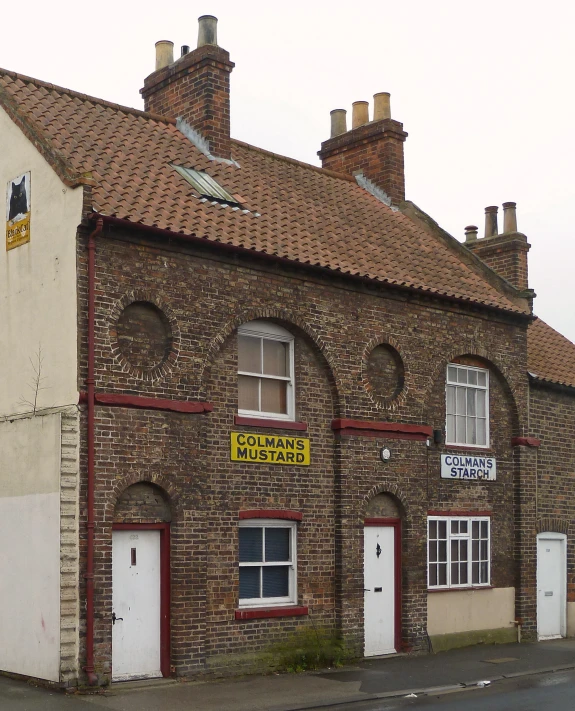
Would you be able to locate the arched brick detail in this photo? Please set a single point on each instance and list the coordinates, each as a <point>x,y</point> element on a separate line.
<point>507,379</point>
<point>120,362</point>
<point>552,525</point>
<point>385,339</point>
<point>137,478</point>
<point>286,318</point>
<point>392,489</point>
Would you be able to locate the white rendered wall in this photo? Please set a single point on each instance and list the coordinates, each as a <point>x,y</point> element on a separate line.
<point>37,282</point>
<point>469,610</point>
<point>30,546</point>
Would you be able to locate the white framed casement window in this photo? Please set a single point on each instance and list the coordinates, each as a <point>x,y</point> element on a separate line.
<point>467,406</point>
<point>458,551</point>
<point>265,371</point>
<point>267,560</point>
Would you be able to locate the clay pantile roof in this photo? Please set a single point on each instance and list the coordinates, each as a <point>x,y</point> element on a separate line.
<point>550,356</point>
<point>294,210</point>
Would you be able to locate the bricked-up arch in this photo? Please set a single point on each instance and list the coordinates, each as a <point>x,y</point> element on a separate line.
<point>478,356</point>
<point>143,503</point>
<point>553,525</point>
<point>154,300</point>
<point>391,490</point>
<point>157,486</point>
<point>294,324</point>
<point>397,395</point>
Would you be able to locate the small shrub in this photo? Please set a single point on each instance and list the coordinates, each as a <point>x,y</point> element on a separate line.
<point>307,649</point>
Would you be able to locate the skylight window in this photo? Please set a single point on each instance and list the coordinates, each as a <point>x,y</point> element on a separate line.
<point>205,185</point>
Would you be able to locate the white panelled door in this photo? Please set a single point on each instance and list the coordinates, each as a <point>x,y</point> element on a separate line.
<point>135,604</point>
<point>379,590</point>
<point>551,585</point>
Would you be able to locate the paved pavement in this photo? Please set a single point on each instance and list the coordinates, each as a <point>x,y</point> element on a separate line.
<point>381,678</point>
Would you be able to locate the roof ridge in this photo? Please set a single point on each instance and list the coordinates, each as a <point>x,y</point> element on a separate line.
<point>86,97</point>
<point>294,161</point>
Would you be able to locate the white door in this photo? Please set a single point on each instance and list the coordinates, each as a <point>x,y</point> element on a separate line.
<point>135,604</point>
<point>379,590</point>
<point>551,585</point>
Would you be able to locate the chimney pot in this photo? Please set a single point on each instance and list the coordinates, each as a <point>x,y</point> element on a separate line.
<point>164,54</point>
<point>509,217</point>
<point>185,50</point>
<point>360,115</point>
<point>207,30</point>
<point>338,122</point>
<point>381,106</point>
<point>470,233</point>
<point>491,221</point>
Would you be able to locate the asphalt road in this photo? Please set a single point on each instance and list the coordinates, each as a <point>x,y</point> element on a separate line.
<point>540,692</point>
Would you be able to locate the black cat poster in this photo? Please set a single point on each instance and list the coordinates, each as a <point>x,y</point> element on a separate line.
<point>18,211</point>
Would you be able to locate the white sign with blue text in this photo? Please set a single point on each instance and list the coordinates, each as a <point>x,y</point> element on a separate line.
<point>469,467</point>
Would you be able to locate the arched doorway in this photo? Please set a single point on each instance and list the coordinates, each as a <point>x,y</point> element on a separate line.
<point>141,583</point>
<point>382,576</point>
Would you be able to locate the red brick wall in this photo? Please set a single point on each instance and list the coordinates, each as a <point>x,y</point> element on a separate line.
<point>376,150</point>
<point>506,254</point>
<point>205,298</point>
<point>196,88</point>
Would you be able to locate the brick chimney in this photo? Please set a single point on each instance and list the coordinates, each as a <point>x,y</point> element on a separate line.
<point>505,253</point>
<point>374,148</point>
<point>195,88</point>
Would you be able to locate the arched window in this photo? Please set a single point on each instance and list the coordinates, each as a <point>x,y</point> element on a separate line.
<point>265,371</point>
<point>467,405</point>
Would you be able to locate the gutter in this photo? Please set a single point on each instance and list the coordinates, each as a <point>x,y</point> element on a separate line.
<point>89,575</point>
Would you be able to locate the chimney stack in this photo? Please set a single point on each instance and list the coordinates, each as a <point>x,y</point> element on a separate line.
<point>195,88</point>
<point>374,148</point>
<point>505,253</point>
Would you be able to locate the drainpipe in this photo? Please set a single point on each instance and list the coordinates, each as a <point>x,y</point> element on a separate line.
<point>89,668</point>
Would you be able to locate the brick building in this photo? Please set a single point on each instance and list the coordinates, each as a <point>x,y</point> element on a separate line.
<point>244,397</point>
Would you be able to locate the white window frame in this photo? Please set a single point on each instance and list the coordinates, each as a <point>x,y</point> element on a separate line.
<point>460,536</point>
<point>468,386</point>
<point>272,332</point>
<point>291,598</point>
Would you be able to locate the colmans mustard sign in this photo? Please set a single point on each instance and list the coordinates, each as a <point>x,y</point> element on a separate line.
<point>269,449</point>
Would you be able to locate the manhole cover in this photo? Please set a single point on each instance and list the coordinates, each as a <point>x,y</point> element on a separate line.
<point>501,660</point>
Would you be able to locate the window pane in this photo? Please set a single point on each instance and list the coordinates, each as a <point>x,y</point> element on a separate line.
<point>471,402</point>
<point>442,529</point>
<point>249,582</point>
<point>484,529</point>
<point>475,573</point>
<point>463,526</point>
<point>483,550</point>
<point>461,401</point>
<point>249,354</point>
<point>450,400</point>
<point>455,574</point>
<point>463,574</point>
<point>274,396</point>
<point>475,529</point>
<point>455,527</point>
<point>277,544</point>
<point>433,529</point>
<point>276,358</point>
<point>475,550</point>
<point>433,575</point>
<point>484,573</point>
<point>482,378</point>
<point>432,552</point>
<point>462,375</point>
<point>251,545</point>
<point>248,393</point>
<point>451,373</point>
<point>460,429</point>
<point>463,551</point>
<point>442,550</point>
<point>455,550</point>
<point>275,581</point>
<point>471,430</point>
<point>442,574</point>
<point>481,396</point>
<point>481,431</point>
<point>472,377</point>
<point>450,432</point>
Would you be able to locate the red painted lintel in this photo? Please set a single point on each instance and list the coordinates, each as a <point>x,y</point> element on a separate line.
<point>257,613</point>
<point>149,403</point>
<point>525,442</point>
<point>272,513</point>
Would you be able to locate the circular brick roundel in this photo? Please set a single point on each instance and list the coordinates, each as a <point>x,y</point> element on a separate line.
<point>385,373</point>
<point>144,335</point>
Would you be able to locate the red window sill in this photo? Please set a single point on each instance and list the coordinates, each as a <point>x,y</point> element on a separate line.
<point>467,589</point>
<point>264,422</point>
<point>258,613</point>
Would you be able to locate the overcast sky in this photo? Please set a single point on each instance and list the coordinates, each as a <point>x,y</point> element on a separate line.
<point>484,89</point>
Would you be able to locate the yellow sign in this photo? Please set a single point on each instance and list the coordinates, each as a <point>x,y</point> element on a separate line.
<point>18,211</point>
<point>269,449</point>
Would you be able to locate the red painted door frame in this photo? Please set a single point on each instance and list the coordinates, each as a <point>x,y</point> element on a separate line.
<point>164,529</point>
<point>394,523</point>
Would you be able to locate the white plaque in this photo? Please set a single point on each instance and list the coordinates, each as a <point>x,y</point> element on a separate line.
<point>468,466</point>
